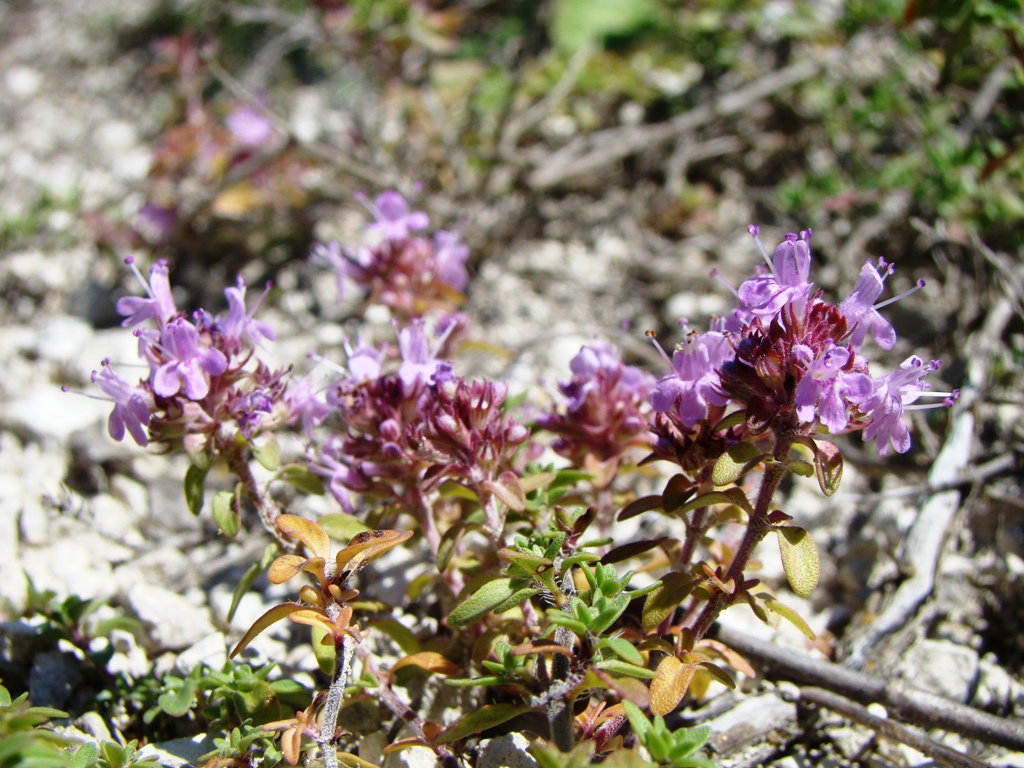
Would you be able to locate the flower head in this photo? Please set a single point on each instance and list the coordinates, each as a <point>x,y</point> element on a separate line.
<point>159,306</point>
<point>189,365</point>
<point>694,383</point>
<point>240,327</point>
<point>394,220</point>
<point>606,405</point>
<point>766,295</point>
<point>132,405</point>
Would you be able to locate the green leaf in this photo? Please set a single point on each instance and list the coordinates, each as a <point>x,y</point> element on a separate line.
<point>686,741</point>
<point>563,619</point>
<point>86,756</point>
<point>178,703</point>
<point>735,463</point>
<point>734,496</point>
<point>799,559</point>
<point>301,478</point>
<point>481,602</point>
<point>479,720</point>
<point>518,597</point>
<point>5,697</point>
<point>789,615</point>
<point>267,452</point>
<point>224,513</point>
<point>638,722</point>
<point>624,649</point>
<point>341,526</point>
<point>660,603</point>
<point>325,654</point>
<point>617,667</point>
<point>195,480</point>
<point>576,23</point>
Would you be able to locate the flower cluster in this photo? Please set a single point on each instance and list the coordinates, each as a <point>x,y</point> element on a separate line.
<point>202,372</point>
<point>606,406</point>
<point>404,431</point>
<point>792,361</point>
<point>407,273</point>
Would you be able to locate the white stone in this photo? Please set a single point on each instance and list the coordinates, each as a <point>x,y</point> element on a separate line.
<point>942,667</point>
<point>23,82</point>
<point>116,520</point>
<point>210,650</point>
<point>173,621</point>
<point>508,751</point>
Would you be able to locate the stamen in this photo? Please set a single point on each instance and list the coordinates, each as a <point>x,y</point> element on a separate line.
<point>130,261</point>
<point>887,302</point>
<point>754,231</point>
<point>651,335</point>
<point>718,276</point>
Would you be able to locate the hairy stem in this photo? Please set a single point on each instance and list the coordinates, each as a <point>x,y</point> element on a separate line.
<point>268,510</point>
<point>344,650</point>
<point>757,528</point>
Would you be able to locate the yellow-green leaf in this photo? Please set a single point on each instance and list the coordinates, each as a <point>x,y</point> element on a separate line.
<point>224,513</point>
<point>267,452</point>
<point>481,602</point>
<point>735,463</point>
<point>672,678</point>
<point>675,587</point>
<point>789,615</point>
<point>309,533</point>
<point>342,526</point>
<point>799,559</point>
<point>480,719</point>
<point>272,616</point>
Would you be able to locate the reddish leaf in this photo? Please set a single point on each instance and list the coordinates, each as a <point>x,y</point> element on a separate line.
<point>428,660</point>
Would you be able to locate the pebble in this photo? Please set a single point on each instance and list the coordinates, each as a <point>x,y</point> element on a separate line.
<point>174,622</point>
<point>508,751</point>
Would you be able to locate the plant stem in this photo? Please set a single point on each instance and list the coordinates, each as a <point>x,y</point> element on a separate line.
<point>344,650</point>
<point>757,528</point>
<point>267,509</point>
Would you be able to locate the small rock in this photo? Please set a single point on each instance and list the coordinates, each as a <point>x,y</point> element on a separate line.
<point>508,751</point>
<point>179,753</point>
<point>93,724</point>
<point>23,82</point>
<point>749,721</point>
<point>129,659</point>
<point>174,622</point>
<point>211,651</point>
<point>995,687</point>
<point>942,667</point>
<point>53,679</point>
<point>851,742</point>
<point>412,757</point>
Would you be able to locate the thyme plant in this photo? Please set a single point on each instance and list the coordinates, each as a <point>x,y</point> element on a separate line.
<point>542,618</point>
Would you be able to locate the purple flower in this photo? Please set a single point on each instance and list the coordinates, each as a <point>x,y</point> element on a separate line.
<point>250,127</point>
<point>363,362</point>
<point>420,365</point>
<point>131,405</point>
<point>239,324</point>
<point>450,259</point>
<point>304,405</point>
<point>862,315</point>
<point>160,304</point>
<point>826,390</point>
<point>694,382</point>
<point>765,295</point>
<point>890,395</point>
<point>189,364</point>
<point>393,218</point>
